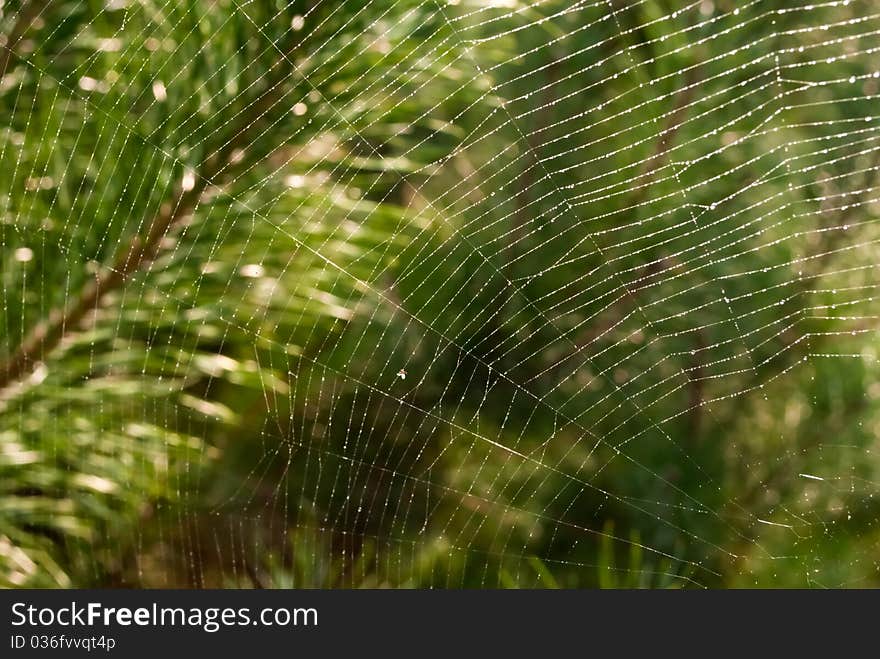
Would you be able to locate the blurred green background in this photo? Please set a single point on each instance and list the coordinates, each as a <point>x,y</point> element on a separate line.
<point>484,293</point>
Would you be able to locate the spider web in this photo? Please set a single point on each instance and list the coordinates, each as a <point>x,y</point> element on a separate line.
<point>451,294</point>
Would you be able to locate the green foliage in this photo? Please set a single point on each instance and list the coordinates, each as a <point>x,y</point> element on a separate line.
<point>423,294</point>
